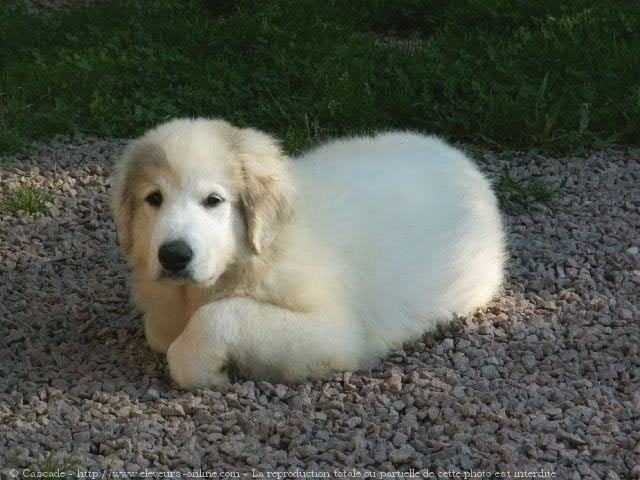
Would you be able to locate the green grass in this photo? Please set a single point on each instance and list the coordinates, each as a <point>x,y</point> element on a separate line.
<point>28,198</point>
<point>558,76</point>
<point>53,466</point>
<point>516,196</point>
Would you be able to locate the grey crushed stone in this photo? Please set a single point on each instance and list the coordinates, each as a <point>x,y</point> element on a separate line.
<point>545,377</point>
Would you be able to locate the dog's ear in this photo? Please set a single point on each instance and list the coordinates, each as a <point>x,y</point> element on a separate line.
<point>266,191</point>
<point>138,162</point>
<point>121,201</point>
<point>121,208</point>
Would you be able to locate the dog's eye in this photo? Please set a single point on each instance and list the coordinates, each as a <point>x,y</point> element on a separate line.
<point>212,200</point>
<point>154,199</point>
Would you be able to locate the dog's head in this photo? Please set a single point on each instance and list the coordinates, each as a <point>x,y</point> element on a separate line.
<point>191,195</point>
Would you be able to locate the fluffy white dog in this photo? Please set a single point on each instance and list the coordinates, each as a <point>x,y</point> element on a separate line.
<point>288,270</point>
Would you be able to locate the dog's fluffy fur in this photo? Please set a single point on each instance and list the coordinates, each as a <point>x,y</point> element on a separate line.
<point>308,266</point>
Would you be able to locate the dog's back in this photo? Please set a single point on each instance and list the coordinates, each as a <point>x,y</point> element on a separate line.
<point>411,227</point>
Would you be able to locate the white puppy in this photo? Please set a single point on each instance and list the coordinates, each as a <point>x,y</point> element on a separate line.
<point>287,270</point>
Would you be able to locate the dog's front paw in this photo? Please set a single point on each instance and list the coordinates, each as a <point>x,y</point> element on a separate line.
<point>194,363</point>
<point>157,341</point>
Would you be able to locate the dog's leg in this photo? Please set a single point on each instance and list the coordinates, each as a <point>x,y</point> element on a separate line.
<point>161,331</point>
<point>198,357</point>
<point>164,318</point>
<point>263,341</point>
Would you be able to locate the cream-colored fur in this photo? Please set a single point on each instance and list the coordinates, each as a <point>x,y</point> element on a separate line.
<point>308,266</point>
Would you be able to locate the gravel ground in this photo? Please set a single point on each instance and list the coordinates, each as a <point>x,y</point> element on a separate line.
<point>544,380</point>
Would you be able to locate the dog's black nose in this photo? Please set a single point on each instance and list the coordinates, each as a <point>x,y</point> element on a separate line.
<point>175,256</point>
